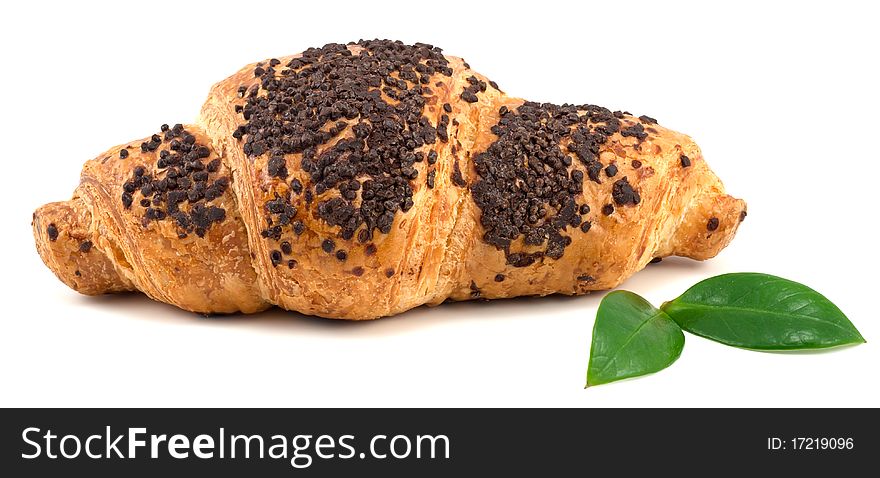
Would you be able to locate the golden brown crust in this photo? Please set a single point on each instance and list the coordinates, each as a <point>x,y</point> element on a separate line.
<point>201,274</point>
<point>434,251</point>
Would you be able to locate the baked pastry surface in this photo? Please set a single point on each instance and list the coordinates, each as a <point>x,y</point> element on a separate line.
<point>358,181</point>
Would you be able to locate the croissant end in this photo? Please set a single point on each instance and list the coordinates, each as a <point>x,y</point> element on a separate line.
<point>70,247</point>
<point>708,225</point>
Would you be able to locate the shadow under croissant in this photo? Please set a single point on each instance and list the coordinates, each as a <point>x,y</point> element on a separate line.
<point>137,305</point>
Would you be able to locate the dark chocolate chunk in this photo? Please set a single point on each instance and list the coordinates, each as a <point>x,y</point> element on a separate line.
<point>52,232</point>
<point>296,185</point>
<point>469,96</point>
<point>712,224</point>
<point>624,194</point>
<point>457,177</point>
<point>636,130</point>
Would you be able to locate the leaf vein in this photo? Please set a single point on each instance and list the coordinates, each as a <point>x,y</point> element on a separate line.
<point>628,340</point>
<point>769,312</point>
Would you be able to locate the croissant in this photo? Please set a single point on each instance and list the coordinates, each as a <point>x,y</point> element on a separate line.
<point>362,180</point>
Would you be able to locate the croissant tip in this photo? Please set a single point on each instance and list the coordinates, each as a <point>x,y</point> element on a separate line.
<point>70,249</point>
<point>709,226</point>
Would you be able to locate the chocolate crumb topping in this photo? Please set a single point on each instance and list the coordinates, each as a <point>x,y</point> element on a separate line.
<point>52,232</point>
<point>123,153</point>
<point>656,260</point>
<point>370,250</point>
<point>365,114</point>
<point>179,188</point>
<point>328,245</point>
<point>527,182</point>
<point>358,271</point>
<point>742,216</point>
<point>611,170</point>
<point>647,119</point>
<point>85,246</point>
<point>389,272</point>
<point>712,224</point>
<point>636,164</point>
<point>685,161</point>
<point>608,209</point>
<point>279,213</point>
<point>341,255</point>
<point>499,277</point>
<point>586,278</point>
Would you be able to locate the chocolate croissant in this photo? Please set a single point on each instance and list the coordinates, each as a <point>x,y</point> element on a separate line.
<point>362,180</point>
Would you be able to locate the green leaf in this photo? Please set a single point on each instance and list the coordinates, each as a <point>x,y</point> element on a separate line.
<point>763,312</point>
<point>631,338</point>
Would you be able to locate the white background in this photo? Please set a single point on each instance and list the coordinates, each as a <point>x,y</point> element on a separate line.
<point>782,98</point>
